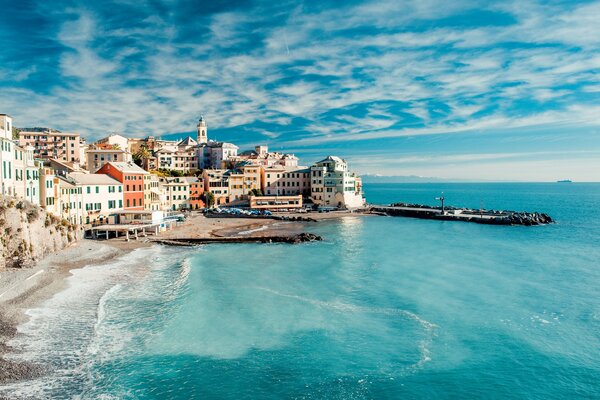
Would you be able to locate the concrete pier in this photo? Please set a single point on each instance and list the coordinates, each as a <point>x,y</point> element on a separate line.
<point>463,214</point>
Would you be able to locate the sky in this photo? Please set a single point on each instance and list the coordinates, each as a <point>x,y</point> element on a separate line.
<point>497,90</point>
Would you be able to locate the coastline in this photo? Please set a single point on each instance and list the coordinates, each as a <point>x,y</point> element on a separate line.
<point>23,289</point>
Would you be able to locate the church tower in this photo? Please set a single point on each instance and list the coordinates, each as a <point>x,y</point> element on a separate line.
<point>202,131</point>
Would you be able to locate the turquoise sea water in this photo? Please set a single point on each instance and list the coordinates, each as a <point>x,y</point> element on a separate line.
<point>384,308</point>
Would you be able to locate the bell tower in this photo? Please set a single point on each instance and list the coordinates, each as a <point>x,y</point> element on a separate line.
<point>202,131</point>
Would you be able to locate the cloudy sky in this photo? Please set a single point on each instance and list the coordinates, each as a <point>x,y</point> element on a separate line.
<point>498,90</point>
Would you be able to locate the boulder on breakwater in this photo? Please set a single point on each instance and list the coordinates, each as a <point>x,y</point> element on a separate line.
<point>489,217</point>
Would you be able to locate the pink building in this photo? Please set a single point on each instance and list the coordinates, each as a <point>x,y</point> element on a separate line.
<point>49,144</point>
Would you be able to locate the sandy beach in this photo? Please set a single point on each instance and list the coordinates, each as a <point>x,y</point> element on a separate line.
<point>22,289</point>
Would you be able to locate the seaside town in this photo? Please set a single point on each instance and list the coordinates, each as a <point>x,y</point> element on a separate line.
<point>120,179</point>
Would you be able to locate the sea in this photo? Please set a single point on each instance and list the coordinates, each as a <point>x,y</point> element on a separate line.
<point>383,308</point>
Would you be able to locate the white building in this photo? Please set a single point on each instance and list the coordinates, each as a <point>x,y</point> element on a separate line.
<point>101,195</point>
<point>7,155</point>
<point>19,174</point>
<point>116,141</point>
<point>212,154</point>
<point>333,185</point>
<point>177,192</point>
<point>262,156</point>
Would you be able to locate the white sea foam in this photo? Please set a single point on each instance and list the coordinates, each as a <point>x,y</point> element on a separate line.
<point>428,327</point>
<point>68,333</point>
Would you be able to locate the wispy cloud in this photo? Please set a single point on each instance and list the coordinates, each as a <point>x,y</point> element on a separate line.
<point>304,75</point>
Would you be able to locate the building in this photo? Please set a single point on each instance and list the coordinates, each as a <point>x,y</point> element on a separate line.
<point>64,167</point>
<point>26,173</point>
<point>98,155</point>
<point>177,192</point>
<point>50,191</point>
<point>196,194</point>
<point>179,157</point>
<point>275,203</point>
<point>333,185</point>
<point>132,178</point>
<point>216,181</point>
<point>243,180</point>
<point>49,143</point>
<point>261,156</point>
<point>280,180</point>
<point>202,131</point>
<point>153,199</point>
<point>19,176</point>
<point>115,141</point>
<point>101,195</point>
<point>71,201</point>
<point>7,155</point>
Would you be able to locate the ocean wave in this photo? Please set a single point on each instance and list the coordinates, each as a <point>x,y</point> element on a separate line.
<point>75,329</point>
<point>428,327</point>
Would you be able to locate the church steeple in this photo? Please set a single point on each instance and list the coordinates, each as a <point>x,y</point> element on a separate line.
<point>202,131</point>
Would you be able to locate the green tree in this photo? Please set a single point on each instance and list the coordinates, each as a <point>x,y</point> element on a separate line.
<point>209,199</point>
<point>141,156</point>
<point>256,192</point>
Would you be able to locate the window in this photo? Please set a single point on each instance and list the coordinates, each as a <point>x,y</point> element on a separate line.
<point>89,190</point>
<point>120,203</point>
<point>97,189</point>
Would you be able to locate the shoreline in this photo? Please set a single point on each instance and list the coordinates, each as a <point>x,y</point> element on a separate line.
<point>27,288</point>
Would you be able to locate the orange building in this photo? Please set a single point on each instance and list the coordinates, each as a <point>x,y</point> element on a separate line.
<point>132,178</point>
<point>196,191</point>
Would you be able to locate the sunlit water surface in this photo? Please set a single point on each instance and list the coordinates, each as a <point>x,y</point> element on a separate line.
<point>383,308</point>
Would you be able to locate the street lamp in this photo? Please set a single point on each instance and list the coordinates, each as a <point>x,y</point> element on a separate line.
<point>31,191</point>
<point>441,198</point>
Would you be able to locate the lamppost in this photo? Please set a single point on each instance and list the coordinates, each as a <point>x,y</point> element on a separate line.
<point>31,191</point>
<point>441,198</point>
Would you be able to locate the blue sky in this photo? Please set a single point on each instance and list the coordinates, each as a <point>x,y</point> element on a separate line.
<point>498,90</point>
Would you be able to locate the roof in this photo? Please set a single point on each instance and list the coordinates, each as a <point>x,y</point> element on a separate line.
<point>332,158</point>
<point>188,141</point>
<point>93,179</point>
<point>92,150</point>
<point>127,167</point>
<point>212,143</point>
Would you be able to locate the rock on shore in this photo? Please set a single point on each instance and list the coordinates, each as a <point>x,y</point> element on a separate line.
<point>28,233</point>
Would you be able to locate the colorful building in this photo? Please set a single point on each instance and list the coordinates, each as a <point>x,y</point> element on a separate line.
<point>279,180</point>
<point>132,178</point>
<point>48,143</point>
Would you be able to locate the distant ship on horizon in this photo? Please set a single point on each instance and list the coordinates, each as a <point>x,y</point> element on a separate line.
<point>565,181</point>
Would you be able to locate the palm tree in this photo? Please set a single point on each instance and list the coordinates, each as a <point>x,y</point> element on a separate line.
<point>142,156</point>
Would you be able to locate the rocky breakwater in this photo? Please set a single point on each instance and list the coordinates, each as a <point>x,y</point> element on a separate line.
<point>449,213</point>
<point>28,233</point>
<point>291,239</point>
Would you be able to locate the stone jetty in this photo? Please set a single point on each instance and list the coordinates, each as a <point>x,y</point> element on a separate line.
<point>191,241</point>
<point>489,217</point>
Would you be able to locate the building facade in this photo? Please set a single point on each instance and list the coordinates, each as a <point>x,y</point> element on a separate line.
<point>49,143</point>
<point>333,185</point>
<point>279,181</point>
<point>101,195</point>
<point>132,178</point>
<point>98,155</point>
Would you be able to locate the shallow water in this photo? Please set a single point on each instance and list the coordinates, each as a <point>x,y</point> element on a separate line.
<point>383,308</point>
